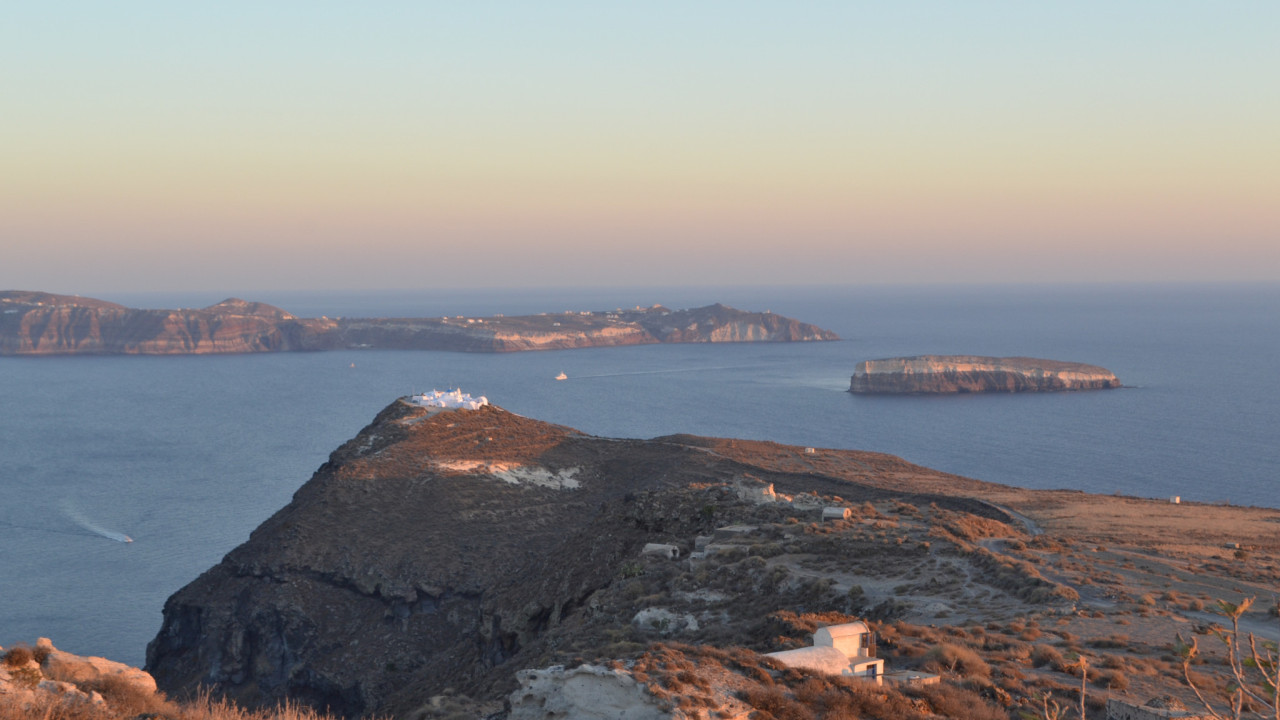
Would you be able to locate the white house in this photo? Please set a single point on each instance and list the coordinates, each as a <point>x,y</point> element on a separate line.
<point>848,649</point>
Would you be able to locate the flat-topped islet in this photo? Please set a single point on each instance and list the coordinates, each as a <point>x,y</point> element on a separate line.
<point>943,374</point>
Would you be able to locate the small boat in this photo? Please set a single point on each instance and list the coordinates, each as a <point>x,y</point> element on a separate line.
<point>562,376</point>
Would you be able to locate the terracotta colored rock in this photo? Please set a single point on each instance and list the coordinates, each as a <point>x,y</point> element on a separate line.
<point>68,668</point>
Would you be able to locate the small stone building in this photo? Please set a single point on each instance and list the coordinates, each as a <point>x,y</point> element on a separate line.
<point>848,649</point>
<point>670,552</point>
<point>836,513</point>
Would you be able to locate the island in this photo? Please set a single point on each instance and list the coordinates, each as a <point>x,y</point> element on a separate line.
<point>949,374</point>
<point>37,323</point>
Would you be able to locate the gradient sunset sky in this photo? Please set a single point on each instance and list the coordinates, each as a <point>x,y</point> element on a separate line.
<point>237,146</point>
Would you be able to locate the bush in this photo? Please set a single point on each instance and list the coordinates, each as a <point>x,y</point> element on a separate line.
<point>1111,679</point>
<point>777,702</point>
<point>18,656</point>
<point>957,703</point>
<point>1042,655</point>
<point>1111,641</point>
<point>959,659</point>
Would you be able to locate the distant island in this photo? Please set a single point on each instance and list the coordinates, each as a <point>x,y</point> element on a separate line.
<point>943,374</point>
<point>38,323</point>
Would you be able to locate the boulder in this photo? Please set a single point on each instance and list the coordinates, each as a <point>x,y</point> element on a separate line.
<point>587,692</point>
<point>69,668</point>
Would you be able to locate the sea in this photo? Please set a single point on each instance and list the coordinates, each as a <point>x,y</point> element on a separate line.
<point>185,455</point>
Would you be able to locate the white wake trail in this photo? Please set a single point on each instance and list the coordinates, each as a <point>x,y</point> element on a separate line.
<point>79,519</point>
<point>660,372</point>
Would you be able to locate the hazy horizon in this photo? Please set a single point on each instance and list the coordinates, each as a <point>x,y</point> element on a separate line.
<point>306,147</point>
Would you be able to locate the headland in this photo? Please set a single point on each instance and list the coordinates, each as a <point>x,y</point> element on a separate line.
<point>449,557</point>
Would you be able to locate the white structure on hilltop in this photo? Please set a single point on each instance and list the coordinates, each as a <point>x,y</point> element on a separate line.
<point>848,649</point>
<point>452,399</point>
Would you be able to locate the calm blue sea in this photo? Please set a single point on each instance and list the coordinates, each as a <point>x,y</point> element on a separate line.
<point>186,455</point>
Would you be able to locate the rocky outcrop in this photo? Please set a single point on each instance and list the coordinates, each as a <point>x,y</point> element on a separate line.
<point>587,692</point>
<point>431,553</point>
<point>33,323</point>
<point>941,374</point>
<point>35,677</point>
<point>596,692</point>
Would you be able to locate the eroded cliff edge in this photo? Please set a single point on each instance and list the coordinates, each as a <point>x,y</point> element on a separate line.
<point>942,374</point>
<point>35,323</point>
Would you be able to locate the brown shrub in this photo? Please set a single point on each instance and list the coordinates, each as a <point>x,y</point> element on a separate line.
<point>1042,655</point>
<point>777,702</point>
<point>958,703</point>
<point>959,659</point>
<point>1114,662</point>
<point>18,655</point>
<point>1111,641</point>
<point>1110,679</point>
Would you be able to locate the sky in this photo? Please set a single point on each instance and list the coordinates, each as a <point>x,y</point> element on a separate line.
<point>234,146</point>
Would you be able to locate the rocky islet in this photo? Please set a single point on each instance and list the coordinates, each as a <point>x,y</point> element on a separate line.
<point>954,374</point>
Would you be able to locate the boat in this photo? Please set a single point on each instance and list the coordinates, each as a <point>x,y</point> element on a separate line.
<point>562,376</point>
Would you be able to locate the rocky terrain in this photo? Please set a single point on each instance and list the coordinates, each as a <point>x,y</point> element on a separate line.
<point>34,323</point>
<point>942,374</point>
<point>443,563</point>
<point>44,673</point>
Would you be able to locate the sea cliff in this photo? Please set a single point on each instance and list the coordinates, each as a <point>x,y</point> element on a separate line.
<point>944,374</point>
<point>35,323</point>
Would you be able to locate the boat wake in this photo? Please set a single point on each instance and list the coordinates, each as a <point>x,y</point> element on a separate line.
<point>79,519</point>
<point>659,372</point>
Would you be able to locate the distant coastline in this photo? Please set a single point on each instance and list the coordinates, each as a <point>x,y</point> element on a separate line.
<point>38,323</point>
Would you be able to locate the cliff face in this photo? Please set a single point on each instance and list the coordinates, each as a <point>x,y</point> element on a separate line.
<point>720,323</point>
<point>941,374</point>
<point>44,324</point>
<point>449,549</point>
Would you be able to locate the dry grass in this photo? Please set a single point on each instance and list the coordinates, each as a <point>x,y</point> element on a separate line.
<point>126,703</point>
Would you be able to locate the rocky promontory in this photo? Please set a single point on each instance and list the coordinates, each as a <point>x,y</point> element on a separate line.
<point>477,563</point>
<point>35,323</point>
<point>450,548</point>
<point>943,374</point>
